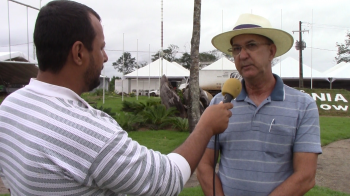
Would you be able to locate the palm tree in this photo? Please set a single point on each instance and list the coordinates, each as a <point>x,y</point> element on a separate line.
<point>194,108</point>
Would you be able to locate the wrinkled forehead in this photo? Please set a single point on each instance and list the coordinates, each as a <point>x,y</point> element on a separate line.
<point>245,38</point>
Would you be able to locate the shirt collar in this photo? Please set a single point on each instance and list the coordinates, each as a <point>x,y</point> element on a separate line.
<point>51,90</point>
<point>277,94</point>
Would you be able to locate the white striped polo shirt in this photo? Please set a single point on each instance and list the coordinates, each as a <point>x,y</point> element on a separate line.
<point>54,143</point>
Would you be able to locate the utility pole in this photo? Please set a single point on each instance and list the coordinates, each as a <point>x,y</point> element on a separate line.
<point>161,53</point>
<point>300,45</point>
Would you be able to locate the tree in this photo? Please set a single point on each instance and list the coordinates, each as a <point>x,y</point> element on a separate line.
<point>129,63</point>
<point>229,57</point>
<point>112,83</point>
<point>185,60</point>
<point>169,54</point>
<point>194,106</point>
<point>207,57</point>
<point>142,63</point>
<point>343,54</point>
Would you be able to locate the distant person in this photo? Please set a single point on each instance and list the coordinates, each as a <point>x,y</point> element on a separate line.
<point>52,142</point>
<point>273,139</point>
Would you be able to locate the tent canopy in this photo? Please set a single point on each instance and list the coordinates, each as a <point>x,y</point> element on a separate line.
<point>290,70</point>
<point>221,64</point>
<point>153,70</point>
<point>18,71</point>
<point>340,71</point>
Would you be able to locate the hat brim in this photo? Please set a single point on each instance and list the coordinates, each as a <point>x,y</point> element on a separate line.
<point>282,40</point>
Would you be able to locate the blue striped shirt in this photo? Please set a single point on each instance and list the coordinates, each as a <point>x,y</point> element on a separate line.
<point>258,145</point>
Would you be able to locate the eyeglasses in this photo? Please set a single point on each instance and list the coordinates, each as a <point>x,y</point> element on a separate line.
<point>251,46</point>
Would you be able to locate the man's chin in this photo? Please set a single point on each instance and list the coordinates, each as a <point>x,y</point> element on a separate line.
<point>95,85</point>
<point>248,74</point>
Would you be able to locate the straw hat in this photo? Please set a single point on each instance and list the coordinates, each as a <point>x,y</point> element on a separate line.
<point>253,24</point>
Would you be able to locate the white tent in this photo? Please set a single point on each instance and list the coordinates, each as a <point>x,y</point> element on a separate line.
<point>221,64</point>
<point>213,76</point>
<point>340,71</point>
<point>148,78</point>
<point>153,70</point>
<point>290,70</point>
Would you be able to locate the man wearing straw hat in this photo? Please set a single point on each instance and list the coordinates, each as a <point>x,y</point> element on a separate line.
<point>273,139</point>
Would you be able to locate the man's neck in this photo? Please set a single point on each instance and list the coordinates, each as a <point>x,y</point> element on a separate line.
<point>60,79</point>
<point>259,89</point>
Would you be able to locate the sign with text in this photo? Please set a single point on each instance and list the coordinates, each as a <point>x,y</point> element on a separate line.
<point>330,101</point>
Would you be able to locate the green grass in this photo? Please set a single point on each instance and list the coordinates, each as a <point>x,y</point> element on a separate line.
<point>162,141</point>
<point>334,128</point>
<point>322,191</point>
<point>193,191</point>
<point>115,102</point>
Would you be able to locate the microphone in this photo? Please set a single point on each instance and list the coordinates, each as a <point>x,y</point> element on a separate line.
<point>230,90</point>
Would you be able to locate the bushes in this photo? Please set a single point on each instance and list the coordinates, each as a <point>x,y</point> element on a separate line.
<point>157,116</point>
<point>137,107</point>
<point>151,114</point>
<point>180,124</point>
<point>106,110</point>
<point>129,121</point>
<point>134,107</point>
<point>98,92</point>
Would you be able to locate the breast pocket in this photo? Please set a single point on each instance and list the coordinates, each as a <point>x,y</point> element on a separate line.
<point>278,139</point>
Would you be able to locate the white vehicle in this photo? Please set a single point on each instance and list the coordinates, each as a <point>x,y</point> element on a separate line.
<point>212,80</point>
<point>184,84</point>
<point>154,93</point>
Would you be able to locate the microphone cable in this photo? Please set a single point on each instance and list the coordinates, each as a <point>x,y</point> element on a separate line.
<point>231,89</point>
<point>216,140</point>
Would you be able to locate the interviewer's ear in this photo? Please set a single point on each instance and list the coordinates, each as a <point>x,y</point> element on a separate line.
<point>78,52</point>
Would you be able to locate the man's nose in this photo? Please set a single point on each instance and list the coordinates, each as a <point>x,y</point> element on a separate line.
<point>243,54</point>
<point>105,56</point>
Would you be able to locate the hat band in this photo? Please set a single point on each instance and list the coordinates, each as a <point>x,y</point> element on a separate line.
<point>245,26</point>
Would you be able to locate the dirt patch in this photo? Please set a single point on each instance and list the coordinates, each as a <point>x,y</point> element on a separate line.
<point>3,189</point>
<point>333,168</point>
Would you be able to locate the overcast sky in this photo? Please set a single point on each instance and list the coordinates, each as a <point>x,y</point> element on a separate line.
<point>140,21</point>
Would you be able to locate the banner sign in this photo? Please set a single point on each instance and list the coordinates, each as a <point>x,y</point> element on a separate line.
<point>330,102</point>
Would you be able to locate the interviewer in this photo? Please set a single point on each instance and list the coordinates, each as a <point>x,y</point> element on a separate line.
<point>52,142</point>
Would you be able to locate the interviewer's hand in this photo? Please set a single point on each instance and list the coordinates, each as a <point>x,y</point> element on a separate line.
<point>216,117</point>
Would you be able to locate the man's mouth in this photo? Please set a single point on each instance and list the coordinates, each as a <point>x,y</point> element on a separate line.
<point>245,66</point>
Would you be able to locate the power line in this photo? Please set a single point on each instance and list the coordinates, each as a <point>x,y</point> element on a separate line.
<point>321,49</point>
<point>115,50</point>
<point>324,26</point>
<point>16,44</point>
